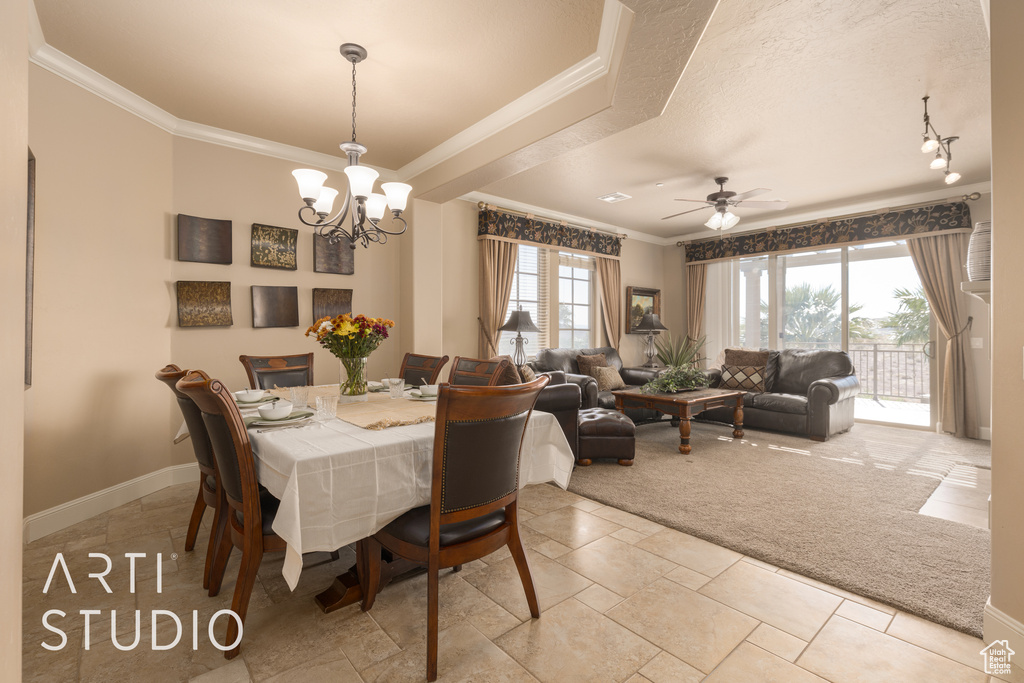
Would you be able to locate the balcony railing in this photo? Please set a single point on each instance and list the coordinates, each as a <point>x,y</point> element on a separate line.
<point>885,371</point>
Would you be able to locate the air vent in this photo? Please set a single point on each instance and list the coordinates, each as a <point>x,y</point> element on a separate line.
<point>614,197</point>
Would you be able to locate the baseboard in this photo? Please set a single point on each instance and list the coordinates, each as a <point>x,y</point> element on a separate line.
<point>62,516</point>
<point>985,433</point>
<point>999,625</point>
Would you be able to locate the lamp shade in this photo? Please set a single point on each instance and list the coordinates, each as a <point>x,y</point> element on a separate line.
<point>715,222</point>
<point>649,323</point>
<point>397,194</point>
<point>729,219</point>
<point>309,182</point>
<point>360,180</point>
<point>519,321</point>
<point>375,206</point>
<point>325,201</point>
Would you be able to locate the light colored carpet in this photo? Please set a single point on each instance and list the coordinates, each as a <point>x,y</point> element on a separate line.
<point>843,512</point>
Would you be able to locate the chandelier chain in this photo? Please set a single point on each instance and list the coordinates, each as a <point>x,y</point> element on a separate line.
<point>353,101</point>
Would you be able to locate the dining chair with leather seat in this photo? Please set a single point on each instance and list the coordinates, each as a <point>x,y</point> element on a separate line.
<point>267,372</point>
<point>210,494</point>
<point>477,372</point>
<point>473,510</point>
<point>418,369</point>
<point>249,515</point>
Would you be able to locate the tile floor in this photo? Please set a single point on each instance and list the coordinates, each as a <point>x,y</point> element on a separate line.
<point>962,497</point>
<point>623,599</point>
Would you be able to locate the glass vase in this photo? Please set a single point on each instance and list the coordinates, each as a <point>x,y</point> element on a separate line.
<point>353,379</point>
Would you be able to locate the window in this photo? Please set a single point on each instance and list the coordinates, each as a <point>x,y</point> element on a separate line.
<point>575,302</point>
<point>529,292</point>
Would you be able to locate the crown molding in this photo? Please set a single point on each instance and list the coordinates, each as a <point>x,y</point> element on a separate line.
<point>572,79</point>
<point>36,39</point>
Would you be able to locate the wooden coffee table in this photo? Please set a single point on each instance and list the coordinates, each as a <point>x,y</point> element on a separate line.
<point>685,405</point>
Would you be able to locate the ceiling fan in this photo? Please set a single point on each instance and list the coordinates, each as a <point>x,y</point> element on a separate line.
<point>723,219</point>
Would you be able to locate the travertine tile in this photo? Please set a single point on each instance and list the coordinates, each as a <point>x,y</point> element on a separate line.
<point>665,668</point>
<point>176,496</point>
<point>318,572</point>
<point>939,639</point>
<point>689,551</point>
<point>956,513</point>
<point>759,563</point>
<point>696,629</point>
<point>463,655</point>
<point>39,665</point>
<point>553,583</point>
<point>572,527</point>
<point>847,652</point>
<point>543,498</point>
<point>551,549</point>
<point>629,535</point>
<point>873,604</point>
<point>794,607</point>
<point>637,678</point>
<point>629,521</point>
<point>687,577</point>
<point>125,525</point>
<point>103,663</point>
<point>94,526</point>
<point>780,643</point>
<point>587,505</point>
<point>598,598</point>
<point>617,566</point>
<point>571,642</point>
<point>328,668</point>
<point>750,664</point>
<point>854,611</point>
<point>233,672</point>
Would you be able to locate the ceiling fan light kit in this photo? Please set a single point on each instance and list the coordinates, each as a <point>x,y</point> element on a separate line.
<point>723,200</point>
<point>940,145</point>
<point>367,207</point>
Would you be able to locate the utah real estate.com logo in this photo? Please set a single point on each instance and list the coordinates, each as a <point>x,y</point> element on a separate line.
<point>997,657</point>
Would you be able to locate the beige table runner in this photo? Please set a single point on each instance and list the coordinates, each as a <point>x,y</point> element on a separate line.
<point>378,411</point>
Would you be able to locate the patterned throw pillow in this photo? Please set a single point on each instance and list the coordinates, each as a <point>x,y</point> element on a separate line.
<point>745,377</point>
<point>527,373</point>
<point>511,375</point>
<point>587,362</point>
<point>608,378</point>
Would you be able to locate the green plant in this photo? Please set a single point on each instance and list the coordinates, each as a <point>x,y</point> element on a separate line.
<point>676,378</point>
<point>912,318</point>
<point>674,353</point>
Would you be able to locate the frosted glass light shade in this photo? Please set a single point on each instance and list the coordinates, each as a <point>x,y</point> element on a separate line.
<point>715,222</point>
<point>929,145</point>
<point>325,201</point>
<point>360,180</point>
<point>937,163</point>
<point>309,181</point>
<point>729,219</point>
<point>397,194</point>
<point>952,177</point>
<point>376,204</point>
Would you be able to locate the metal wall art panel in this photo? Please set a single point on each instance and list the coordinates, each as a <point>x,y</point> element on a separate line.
<point>275,306</point>
<point>337,258</point>
<point>204,240</point>
<point>274,247</point>
<point>204,304</point>
<point>331,302</point>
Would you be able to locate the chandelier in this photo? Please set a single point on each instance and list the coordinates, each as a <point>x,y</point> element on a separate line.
<point>939,145</point>
<point>366,206</point>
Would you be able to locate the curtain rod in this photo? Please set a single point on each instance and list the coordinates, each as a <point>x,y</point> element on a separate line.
<point>565,224</point>
<point>877,212</point>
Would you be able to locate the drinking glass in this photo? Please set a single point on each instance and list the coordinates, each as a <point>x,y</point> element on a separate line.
<point>299,396</point>
<point>396,386</point>
<point>326,407</point>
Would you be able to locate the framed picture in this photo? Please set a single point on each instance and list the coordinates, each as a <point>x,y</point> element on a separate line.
<point>274,247</point>
<point>204,240</point>
<point>331,302</point>
<point>337,258</point>
<point>639,302</point>
<point>204,304</point>
<point>275,306</point>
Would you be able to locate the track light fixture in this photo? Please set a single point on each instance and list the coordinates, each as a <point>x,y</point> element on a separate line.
<point>933,142</point>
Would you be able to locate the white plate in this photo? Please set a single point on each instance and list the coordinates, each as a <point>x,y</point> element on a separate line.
<point>259,401</point>
<point>296,416</point>
<point>422,398</point>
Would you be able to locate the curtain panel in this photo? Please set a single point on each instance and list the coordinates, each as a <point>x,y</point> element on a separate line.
<point>497,269</point>
<point>696,295</point>
<point>890,225</point>
<point>505,226</point>
<point>611,299</point>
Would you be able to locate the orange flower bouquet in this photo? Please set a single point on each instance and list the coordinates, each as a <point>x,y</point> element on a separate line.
<point>351,340</point>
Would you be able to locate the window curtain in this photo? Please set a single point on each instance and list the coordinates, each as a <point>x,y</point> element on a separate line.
<point>696,292</point>
<point>497,268</point>
<point>938,261</point>
<point>611,299</point>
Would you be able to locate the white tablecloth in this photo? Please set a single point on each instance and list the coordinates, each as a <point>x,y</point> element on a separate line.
<point>338,483</point>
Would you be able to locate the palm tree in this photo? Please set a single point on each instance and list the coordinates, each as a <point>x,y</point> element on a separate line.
<point>913,317</point>
<point>813,315</point>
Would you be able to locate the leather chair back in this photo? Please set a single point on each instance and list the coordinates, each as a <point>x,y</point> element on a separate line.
<point>564,360</point>
<point>266,372</point>
<point>170,375</point>
<point>477,372</point>
<point>416,367</point>
<point>798,368</point>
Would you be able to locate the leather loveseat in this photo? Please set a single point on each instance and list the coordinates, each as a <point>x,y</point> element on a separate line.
<point>809,392</point>
<point>563,400</point>
<point>564,360</point>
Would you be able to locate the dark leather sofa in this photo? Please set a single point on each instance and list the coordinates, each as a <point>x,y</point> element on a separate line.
<point>564,361</point>
<point>808,392</point>
<point>563,399</point>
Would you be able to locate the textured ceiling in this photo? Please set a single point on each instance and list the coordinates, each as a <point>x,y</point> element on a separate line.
<point>271,68</point>
<point>819,100</point>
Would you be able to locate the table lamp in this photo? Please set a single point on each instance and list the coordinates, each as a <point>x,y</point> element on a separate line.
<point>651,325</point>
<point>519,321</point>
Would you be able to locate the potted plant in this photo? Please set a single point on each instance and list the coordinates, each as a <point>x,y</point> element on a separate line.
<point>681,373</point>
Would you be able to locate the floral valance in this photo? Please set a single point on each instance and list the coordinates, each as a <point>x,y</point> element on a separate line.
<point>894,225</point>
<point>518,228</point>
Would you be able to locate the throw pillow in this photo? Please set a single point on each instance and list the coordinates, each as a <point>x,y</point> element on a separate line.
<point>745,377</point>
<point>608,378</point>
<point>527,373</point>
<point>585,363</point>
<point>511,375</point>
<point>745,357</point>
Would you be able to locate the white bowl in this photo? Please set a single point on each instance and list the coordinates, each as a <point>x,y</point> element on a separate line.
<point>429,390</point>
<point>276,410</point>
<point>249,395</point>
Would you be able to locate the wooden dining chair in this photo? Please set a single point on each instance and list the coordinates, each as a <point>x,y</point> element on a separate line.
<point>210,494</point>
<point>473,511</point>
<point>416,367</point>
<point>477,372</point>
<point>250,510</point>
<point>266,372</point>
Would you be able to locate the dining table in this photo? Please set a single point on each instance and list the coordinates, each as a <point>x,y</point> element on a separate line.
<point>341,479</point>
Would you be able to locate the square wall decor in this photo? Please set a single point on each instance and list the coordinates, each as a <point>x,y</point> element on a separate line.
<point>331,302</point>
<point>275,306</point>
<point>204,304</point>
<point>204,240</point>
<point>639,302</point>
<point>337,258</point>
<point>274,247</point>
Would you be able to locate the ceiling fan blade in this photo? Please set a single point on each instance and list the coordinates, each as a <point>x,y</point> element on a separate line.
<point>776,204</point>
<point>750,193</point>
<point>702,201</point>
<point>702,208</point>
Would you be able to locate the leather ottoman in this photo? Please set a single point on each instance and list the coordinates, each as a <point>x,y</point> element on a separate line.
<point>605,433</point>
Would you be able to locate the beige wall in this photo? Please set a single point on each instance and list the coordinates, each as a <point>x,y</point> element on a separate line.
<point>13,155</point>
<point>644,265</point>
<point>101,326</point>
<point>1008,324</point>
